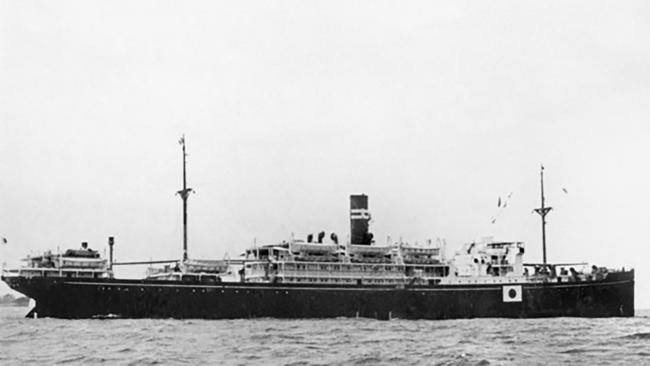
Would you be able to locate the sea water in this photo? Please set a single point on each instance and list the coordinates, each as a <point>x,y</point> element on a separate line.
<point>609,341</point>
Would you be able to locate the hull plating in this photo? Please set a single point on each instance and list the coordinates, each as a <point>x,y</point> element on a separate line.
<point>84,298</point>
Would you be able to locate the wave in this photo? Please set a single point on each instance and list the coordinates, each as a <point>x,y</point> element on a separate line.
<point>478,342</point>
<point>576,351</point>
<point>641,335</point>
<point>70,359</point>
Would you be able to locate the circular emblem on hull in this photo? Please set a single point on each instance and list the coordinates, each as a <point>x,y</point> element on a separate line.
<point>512,293</point>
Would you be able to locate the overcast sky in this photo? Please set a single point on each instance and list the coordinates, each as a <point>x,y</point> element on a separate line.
<point>433,109</point>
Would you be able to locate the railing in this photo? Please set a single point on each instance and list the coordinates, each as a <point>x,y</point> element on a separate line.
<point>55,272</point>
<point>357,266</point>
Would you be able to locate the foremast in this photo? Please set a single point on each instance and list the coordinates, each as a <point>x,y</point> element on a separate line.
<point>184,193</point>
<point>542,211</point>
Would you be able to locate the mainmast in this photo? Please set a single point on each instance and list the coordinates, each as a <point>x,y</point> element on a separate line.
<point>184,193</point>
<point>542,211</point>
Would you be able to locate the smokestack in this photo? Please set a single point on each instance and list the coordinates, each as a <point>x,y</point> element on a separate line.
<point>110,252</point>
<point>359,220</point>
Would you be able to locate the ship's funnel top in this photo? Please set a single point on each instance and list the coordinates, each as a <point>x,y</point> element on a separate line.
<point>359,220</point>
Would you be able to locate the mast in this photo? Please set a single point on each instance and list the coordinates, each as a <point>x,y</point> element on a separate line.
<point>542,211</point>
<point>184,193</point>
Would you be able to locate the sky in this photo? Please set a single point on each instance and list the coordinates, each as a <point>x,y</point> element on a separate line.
<point>435,109</point>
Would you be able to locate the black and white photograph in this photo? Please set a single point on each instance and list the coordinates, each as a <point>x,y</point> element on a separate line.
<point>311,182</point>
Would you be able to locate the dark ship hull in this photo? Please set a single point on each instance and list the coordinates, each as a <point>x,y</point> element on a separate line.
<point>86,298</point>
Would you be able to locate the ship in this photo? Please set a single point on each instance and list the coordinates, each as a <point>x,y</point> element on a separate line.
<point>323,277</point>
